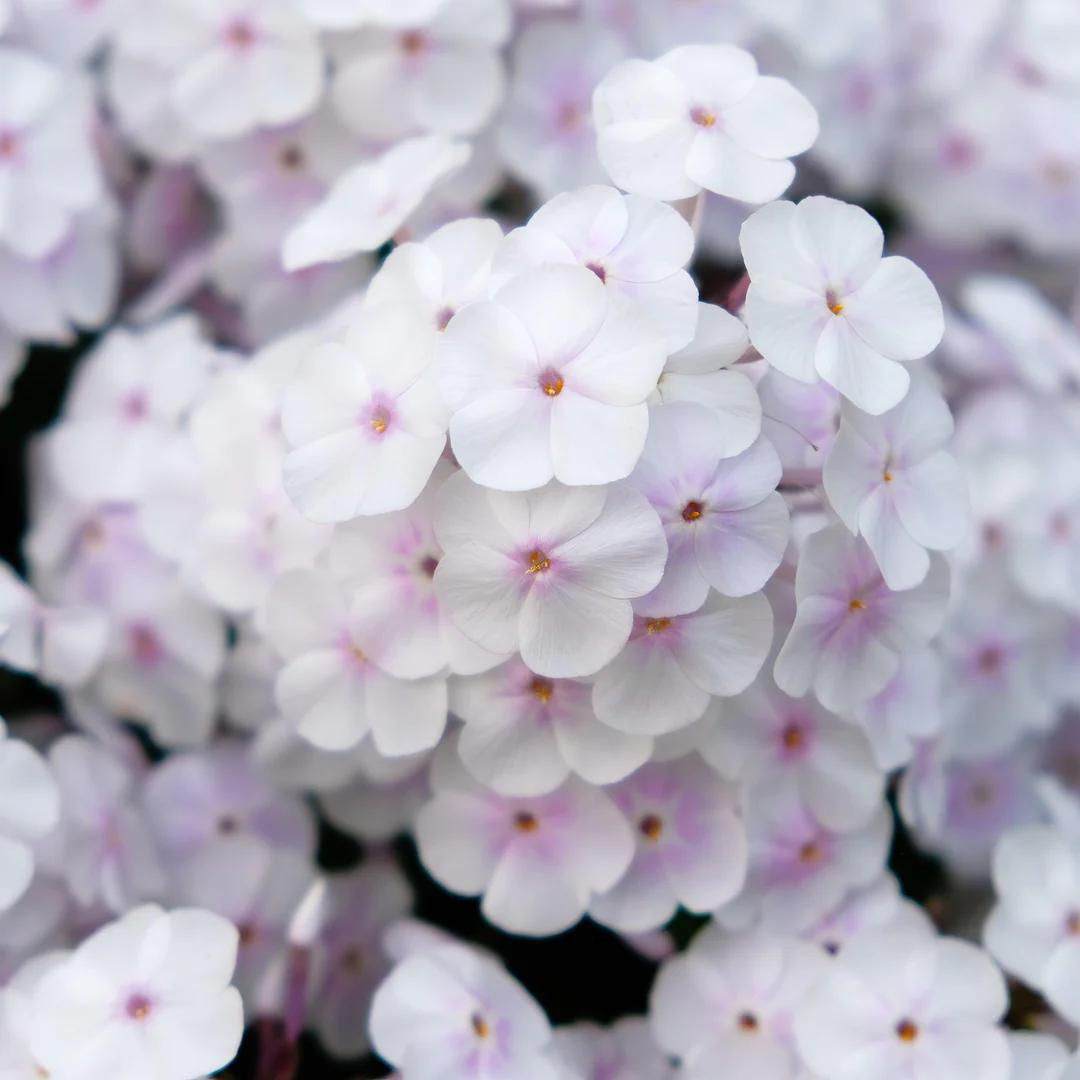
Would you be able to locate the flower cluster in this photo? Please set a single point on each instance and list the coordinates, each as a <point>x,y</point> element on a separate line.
<point>496,440</point>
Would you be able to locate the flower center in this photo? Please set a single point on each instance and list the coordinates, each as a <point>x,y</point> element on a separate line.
<point>1072,923</point>
<point>240,35</point>
<point>907,1031</point>
<point>832,302</point>
<point>598,270</point>
<point>291,158</point>
<point>480,1026</point>
<point>748,1022</point>
<point>541,689</point>
<point>793,737</point>
<point>146,645</point>
<point>651,827</point>
<point>693,510</point>
<point>657,626</point>
<point>991,660</point>
<point>428,566</point>
<point>249,933</point>
<point>525,822</point>
<point>856,605</point>
<point>443,317</point>
<point>413,43</point>
<point>811,852</point>
<point>380,420</point>
<point>551,382</point>
<point>138,1007</point>
<point>569,116</point>
<point>702,117</point>
<point>538,562</point>
<point>9,146</point>
<point>352,960</point>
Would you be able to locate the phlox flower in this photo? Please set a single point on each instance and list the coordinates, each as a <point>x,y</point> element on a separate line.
<point>146,997</point>
<point>442,73</point>
<point>823,303</point>
<point>16,1018</point>
<point>347,14</point>
<point>671,666</point>
<point>892,481</point>
<point>538,861</point>
<point>341,679</point>
<point>636,246</point>
<point>452,1011</point>
<point>727,1002</point>
<point>700,117</point>
<point>364,419</point>
<point>550,573</point>
<point>691,846</point>
<point>764,737</point>
<point>850,629</point>
<point>938,1018</point>
<point>549,379</point>
<point>524,733</point>
<point>726,526</point>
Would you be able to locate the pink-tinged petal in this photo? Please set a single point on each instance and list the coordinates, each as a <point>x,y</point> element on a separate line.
<point>866,378</point>
<point>737,552</point>
<point>903,561</point>
<point>719,164</point>
<point>773,120</point>
<point>323,702</point>
<point>843,241</point>
<point>852,666</point>
<point>568,630</point>
<point>503,439</point>
<point>786,323</point>
<point>482,591</point>
<point>724,645</point>
<point>642,900</point>
<point>594,443</point>
<point>622,553</point>
<point>897,312</point>
<point>933,502</point>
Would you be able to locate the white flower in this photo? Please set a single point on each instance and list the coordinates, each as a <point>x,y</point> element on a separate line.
<point>17,1016</point>
<point>29,809</point>
<point>346,14</point>
<point>147,996</point>
<point>524,734</point>
<point>823,303</point>
<point>549,379</point>
<point>625,1051</point>
<point>234,65</point>
<point>452,1011</point>
<point>691,846</point>
<point>664,678</point>
<point>550,572</point>
<point>725,523</point>
<point>902,1002</point>
<point>850,629</point>
<point>538,861</point>
<point>340,680</point>
<point>365,419</point>
<point>892,481</point>
<point>636,246</point>
<point>48,169</point>
<point>370,202</point>
<point>725,1005</point>
<point>439,74</point>
<point>701,117</point>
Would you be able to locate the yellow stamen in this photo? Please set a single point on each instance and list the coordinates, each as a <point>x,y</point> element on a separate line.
<point>856,605</point>
<point>836,308</point>
<point>538,562</point>
<point>378,423</point>
<point>480,1026</point>
<point>657,626</point>
<point>692,510</point>
<point>525,822</point>
<point>553,385</point>
<point>651,827</point>
<point>542,689</point>
<point>906,1031</point>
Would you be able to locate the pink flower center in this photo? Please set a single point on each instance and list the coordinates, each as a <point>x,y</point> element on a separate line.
<point>10,144</point>
<point>525,822</point>
<point>832,301</point>
<point>138,1007</point>
<point>134,407</point>
<point>146,646</point>
<point>990,660</point>
<point>541,688</point>
<point>651,827</point>
<point>539,563</point>
<point>693,510</point>
<point>240,35</point>
<point>442,319</point>
<point>598,270</point>
<point>551,382</point>
<point>570,117</point>
<point>703,117</point>
<point>907,1031</point>
<point>414,43</point>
